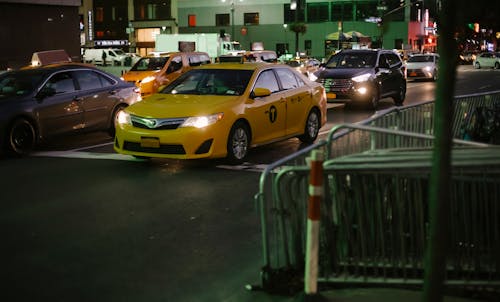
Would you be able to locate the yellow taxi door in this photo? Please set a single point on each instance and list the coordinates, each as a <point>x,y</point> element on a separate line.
<point>267,115</point>
<point>298,100</point>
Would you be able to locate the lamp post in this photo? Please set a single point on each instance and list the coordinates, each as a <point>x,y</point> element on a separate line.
<point>232,16</point>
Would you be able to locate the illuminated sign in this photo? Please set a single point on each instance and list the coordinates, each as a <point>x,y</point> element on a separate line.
<point>111,42</point>
<point>91,26</point>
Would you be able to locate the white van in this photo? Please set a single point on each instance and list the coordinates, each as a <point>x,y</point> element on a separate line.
<point>114,56</point>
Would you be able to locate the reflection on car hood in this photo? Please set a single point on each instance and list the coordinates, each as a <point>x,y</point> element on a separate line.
<point>180,105</point>
<point>342,73</point>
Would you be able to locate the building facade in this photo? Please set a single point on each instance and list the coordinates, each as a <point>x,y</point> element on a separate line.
<point>28,26</point>
<point>133,24</point>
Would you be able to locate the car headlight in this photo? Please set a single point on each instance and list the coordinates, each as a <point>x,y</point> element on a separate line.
<point>148,79</point>
<point>123,118</point>
<point>202,121</point>
<point>362,78</point>
<point>428,68</point>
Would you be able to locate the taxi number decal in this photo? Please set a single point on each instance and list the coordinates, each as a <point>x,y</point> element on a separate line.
<point>273,114</point>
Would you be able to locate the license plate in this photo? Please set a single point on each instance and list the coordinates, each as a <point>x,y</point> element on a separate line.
<point>150,142</point>
<point>413,74</point>
<point>331,95</point>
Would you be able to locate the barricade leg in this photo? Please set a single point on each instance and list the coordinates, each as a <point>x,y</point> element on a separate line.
<point>313,216</point>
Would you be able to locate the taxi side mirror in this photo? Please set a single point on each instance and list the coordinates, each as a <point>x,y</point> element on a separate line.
<point>259,92</point>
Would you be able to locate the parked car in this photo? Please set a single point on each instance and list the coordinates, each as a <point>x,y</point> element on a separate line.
<point>423,66</point>
<point>306,66</point>
<point>40,102</point>
<point>221,110</point>
<point>487,59</point>
<point>160,68</point>
<point>363,76</point>
<point>113,56</point>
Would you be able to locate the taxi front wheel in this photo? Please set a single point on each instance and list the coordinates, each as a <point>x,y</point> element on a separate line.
<point>311,127</point>
<point>238,143</point>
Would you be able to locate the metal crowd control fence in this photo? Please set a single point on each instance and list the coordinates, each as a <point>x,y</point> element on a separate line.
<point>283,192</point>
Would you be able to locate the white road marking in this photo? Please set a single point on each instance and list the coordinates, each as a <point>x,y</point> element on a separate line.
<point>85,155</point>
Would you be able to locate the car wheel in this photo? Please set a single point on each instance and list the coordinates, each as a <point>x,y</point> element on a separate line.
<point>238,143</point>
<point>21,137</point>
<point>477,65</point>
<point>400,96</point>
<point>374,99</point>
<point>114,120</point>
<point>311,127</point>
<point>497,65</point>
<point>435,76</point>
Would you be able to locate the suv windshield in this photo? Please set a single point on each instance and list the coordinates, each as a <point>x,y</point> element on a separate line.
<point>150,64</point>
<point>352,60</point>
<point>420,59</point>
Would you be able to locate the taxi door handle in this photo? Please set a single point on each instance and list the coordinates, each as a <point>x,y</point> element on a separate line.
<point>112,92</point>
<point>77,99</point>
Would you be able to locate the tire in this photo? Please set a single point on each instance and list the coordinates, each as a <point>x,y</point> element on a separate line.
<point>435,76</point>
<point>238,143</point>
<point>21,137</point>
<point>311,127</point>
<point>497,65</point>
<point>477,65</point>
<point>114,117</point>
<point>400,97</point>
<point>374,99</point>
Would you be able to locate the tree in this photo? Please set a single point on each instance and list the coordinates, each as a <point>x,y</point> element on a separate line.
<point>298,28</point>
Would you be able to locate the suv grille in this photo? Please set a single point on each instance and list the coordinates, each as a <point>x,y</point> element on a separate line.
<point>336,84</point>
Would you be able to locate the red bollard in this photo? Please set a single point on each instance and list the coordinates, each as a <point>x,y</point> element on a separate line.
<point>316,190</point>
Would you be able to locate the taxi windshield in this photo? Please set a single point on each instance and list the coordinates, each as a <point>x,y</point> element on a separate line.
<point>352,60</point>
<point>211,81</point>
<point>150,64</point>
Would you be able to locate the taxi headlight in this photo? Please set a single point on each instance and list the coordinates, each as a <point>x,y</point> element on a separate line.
<point>428,68</point>
<point>148,79</point>
<point>202,121</point>
<point>123,118</point>
<point>362,78</point>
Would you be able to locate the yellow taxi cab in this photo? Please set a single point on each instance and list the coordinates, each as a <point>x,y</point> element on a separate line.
<point>160,68</point>
<point>222,110</point>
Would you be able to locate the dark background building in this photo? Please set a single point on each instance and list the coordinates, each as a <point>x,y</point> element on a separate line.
<point>28,26</point>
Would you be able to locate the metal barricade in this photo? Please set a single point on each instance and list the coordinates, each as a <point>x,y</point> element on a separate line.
<point>283,185</point>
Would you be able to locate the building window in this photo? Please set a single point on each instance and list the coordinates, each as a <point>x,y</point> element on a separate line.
<point>366,10</point>
<point>152,9</point>
<point>99,14</point>
<point>222,20</point>
<point>251,18</point>
<point>317,12</point>
<point>342,12</point>
<point>191,20</point>
<point>289,15</point>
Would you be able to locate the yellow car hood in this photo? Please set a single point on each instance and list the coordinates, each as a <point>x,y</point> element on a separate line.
<point>181,105</point>
<point>138,75</point>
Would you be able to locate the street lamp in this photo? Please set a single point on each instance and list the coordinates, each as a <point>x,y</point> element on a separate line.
<point>232,17</point>
<point>285,26</point>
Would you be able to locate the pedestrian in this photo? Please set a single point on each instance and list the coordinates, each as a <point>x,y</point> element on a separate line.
<point>104,55</point>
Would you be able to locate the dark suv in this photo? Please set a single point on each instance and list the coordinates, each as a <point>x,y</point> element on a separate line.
<point>363,76</point>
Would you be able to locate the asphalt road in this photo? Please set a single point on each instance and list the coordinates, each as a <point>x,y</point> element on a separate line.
<point>109,228</point>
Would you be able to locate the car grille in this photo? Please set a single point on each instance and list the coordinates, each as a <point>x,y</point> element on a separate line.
<point>157,123</point>
<point>163,149</point>
<point>336,84</point>
<point>415,72</point>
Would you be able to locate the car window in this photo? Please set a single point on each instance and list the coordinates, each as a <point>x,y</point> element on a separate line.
<point>392,59</point>
<point>175,64</point>
<point>198,59</point>
<point>150,64</point>
<point>18,83</point>
<point>421,59</point>
<point>88,79</point>
<point>287,78</point>
<point>61,83</point>
<point>268,80</point>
